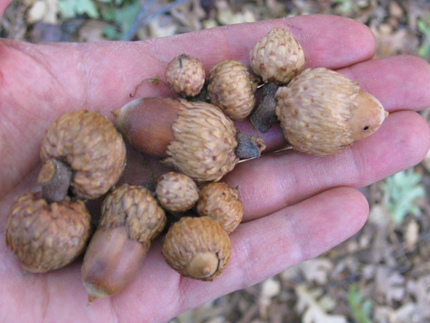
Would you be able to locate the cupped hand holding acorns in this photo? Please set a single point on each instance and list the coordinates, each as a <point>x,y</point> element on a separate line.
<point>296,205</point>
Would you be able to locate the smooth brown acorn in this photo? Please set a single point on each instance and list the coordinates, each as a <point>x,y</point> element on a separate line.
<point>195,138</point>
<point>131,219</point>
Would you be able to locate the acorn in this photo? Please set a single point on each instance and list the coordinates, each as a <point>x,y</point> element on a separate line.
<point>46,236</point>
<point>185,75</point>
<point>221,203</point>
<point>277,57</point>
<point>83,151</point>
<point>322,112</point>
<point>197,248</point>
<point>131,219</point>
<point>231,87</point>
<point>195,138</point>
<point>176,192</point>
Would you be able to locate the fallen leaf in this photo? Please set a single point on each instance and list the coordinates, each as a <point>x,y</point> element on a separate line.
<point>389,284</point>
<point>316,270</point>
<point>312,310</point>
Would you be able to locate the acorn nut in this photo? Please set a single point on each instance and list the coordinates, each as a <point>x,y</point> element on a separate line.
<point>277,57</point>
<point>221,203</point>
<point>81,148</point>
<point>197,139</point>
<point>197,248</point>
<point>131,219</point>
<point>46,236</point>
<point>185,75</point>
<point>176,192</point>
<point>231,87</point>
<point>322,112</point>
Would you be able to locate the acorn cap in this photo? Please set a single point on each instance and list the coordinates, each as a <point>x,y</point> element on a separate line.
<point>221,203</point>
<point>319,112</point>
<point>198,248</point>
<point>277,57</point>
<point>46,236</point>
<point>204,143</point>
<point>89,143</point>
<point>185,75</point>
<point>176,192</point>
<point>135,208</point>
<point>231,87</point>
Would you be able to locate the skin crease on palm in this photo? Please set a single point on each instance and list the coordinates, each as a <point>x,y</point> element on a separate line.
<point>296,206</point>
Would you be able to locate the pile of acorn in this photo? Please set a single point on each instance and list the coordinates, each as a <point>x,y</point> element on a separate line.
<point>320,111</point>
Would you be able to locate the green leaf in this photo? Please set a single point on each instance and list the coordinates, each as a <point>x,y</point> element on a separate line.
<point>360,307</point>
<point>73,8</point>
<point>123,17</point>
<point>402,190</point>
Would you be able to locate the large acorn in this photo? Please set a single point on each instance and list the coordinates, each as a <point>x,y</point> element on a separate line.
<point>131,219</point>
<point>322,112</point>
<point>46,236</point>
<point>195,138</point>
<point>198,248</point>
<point>81,149</point>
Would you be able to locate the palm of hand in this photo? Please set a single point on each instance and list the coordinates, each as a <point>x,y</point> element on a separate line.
<point>296,206</point>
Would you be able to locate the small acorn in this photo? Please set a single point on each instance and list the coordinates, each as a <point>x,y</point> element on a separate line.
<point>185,75</point>
<point>131,219</point>
<point>46,236</point>
<point>322,112</point>
<point>83,150</point>
<point>176,192</point>
<point>231,87</point>
<point>277,57</point>
<point>221,203</point>
<point>195,138</point>
<point>197,247</point>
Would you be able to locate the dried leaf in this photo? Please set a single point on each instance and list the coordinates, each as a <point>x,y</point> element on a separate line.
<point>389,284</point>
<point>412,234</point>
<point>313,311</point>
<point>316,270</point>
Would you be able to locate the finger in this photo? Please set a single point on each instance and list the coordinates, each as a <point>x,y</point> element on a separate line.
<point>102,75</point>
<point>398,82</point>
<point>275,181</point>
<point>40,82</point>
<point>261,249</point>
<point>3,5</point>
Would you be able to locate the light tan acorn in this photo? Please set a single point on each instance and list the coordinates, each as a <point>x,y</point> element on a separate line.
<point>221,203</point>
<point>231,87</point>
<point>81,149</point>
<point>197,247</point>
<point>322,112</point>
<point>131,219</point>
<point>46,236</point>
<point>195,138</point>
<point>185,75</point>
<point>277,57</point>
<point>176,192</point>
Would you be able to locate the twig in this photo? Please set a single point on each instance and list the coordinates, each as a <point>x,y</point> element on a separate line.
<point>140,21</point>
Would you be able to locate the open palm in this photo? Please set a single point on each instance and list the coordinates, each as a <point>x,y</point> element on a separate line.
<point>296,206</point>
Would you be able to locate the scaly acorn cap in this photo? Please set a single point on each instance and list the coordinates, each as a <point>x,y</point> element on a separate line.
<point>131,219</point>
<point>322,112</point>
<point>185,75</point>
<point>89,143</point>
<point>135,208</point>
<point>231,87</point>
<point>46,236</point>
<point>221,203</point>
<point>198,248</point>
<point>277,57</point>
<point>204,144</point>
<point>176,192</point>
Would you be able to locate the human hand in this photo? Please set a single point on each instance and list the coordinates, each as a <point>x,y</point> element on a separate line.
<point>296,206</point>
